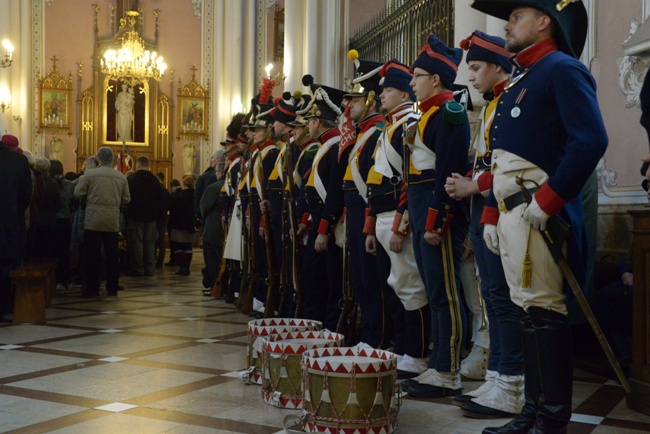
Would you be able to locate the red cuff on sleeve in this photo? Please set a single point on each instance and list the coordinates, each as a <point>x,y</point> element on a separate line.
<point>548,200</point>
<point>432,216</point>
<point>323,227</point>
<point>490,216</point>
<point>485,181</point>
<point>396,222</point>
<point>305,219</point>
<point>369,226</point>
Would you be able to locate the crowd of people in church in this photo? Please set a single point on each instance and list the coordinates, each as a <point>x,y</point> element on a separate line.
<point>379,194</point>
<point>99,222</point>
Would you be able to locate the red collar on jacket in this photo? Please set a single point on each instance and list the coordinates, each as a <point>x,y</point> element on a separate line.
<point>399,112</point>
<point>436,100</point>
<point>306,143</point>
<point>370,122</point>
<point>531,55</point>
<point>332,132</point>
<point>269,142</point>
<point>498,88</point>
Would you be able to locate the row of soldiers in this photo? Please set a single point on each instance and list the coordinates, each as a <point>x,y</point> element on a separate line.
<point>339,196</point>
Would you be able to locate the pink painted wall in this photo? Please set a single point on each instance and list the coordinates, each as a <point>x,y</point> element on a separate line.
<point>362,11</point>
<point>627,139</point>
<point>69,34</point>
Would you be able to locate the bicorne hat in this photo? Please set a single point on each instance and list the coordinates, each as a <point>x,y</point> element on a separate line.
<point>570,18</point>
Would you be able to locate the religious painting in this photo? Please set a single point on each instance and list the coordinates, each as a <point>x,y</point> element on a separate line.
<point>126,113</point>
<point>54,109</point>
<point>193,115</point>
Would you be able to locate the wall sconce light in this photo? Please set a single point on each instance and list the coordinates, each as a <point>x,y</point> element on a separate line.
<point>268,69</point>
<point>5,99</point>
<point>9,49</point>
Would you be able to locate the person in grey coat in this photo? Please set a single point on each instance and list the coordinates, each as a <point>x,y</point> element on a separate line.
<point>105,190</point>
<point>213,234</point>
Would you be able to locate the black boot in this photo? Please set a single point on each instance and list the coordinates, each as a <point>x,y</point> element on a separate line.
<point>180,260</point>
<point>554,349</point>
<point>524,421</point>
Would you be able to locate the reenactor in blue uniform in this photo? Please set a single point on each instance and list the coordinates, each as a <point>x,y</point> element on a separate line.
<point>283,114</point>
<point>387,229</point>
<point>362,117</point>
<point>322,267</point>
<point>263,160</point>
<point>503,390</point>
<point>438,144</point>
<point>548,132</point>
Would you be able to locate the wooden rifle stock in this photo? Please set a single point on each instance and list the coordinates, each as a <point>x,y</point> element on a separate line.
<point>247,270</point>
<point>247,305</point>
<point>285,271</point>
<point>347,322</point>
<point>293,222</point>
<point>218,284</point>
<point>269,307</point>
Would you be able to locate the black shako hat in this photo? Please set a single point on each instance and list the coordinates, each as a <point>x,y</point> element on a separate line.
<point>570,18</point>
<point>366,77</point>
<point>326,102</point>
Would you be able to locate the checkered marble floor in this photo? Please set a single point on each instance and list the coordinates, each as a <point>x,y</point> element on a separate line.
<point>161,358</point>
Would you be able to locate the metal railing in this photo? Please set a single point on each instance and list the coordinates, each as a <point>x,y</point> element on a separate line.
<point>401,32</point>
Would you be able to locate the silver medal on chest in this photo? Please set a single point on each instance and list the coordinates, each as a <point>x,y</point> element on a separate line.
<point>515,112</point>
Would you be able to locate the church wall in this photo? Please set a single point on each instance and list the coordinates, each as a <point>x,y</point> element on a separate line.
<point>619,189</point>
<point>69,34</point>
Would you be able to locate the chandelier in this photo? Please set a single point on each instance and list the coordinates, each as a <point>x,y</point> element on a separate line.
<point>132,64</point>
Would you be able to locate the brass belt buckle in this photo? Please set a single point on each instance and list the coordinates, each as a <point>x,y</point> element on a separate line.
<point>502,207</point>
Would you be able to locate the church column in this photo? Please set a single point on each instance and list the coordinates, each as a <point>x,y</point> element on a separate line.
<point>10,78</point>
<point>249,83</point>
<point>494,26</point>
<point>294,29</point>
<point>467,20</point>
<point>329,37</point>
<point>312,47</point>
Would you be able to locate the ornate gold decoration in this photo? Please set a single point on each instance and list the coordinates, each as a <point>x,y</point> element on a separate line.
<point>131,63</point>
<point>9,50</point>
<point>54,101</point>
<point>193,102</point>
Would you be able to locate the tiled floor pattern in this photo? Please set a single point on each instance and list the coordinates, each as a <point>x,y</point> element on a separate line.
<point>161,358</point>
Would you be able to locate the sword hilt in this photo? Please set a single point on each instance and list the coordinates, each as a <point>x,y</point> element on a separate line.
<point>521,182</point>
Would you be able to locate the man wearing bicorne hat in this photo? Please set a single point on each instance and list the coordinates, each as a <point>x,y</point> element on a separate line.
<point>363,121</point>
<point>323,196</point>
<point>502,394</point>
<point>540,137</point>
<point>387,229</point>
<point>438,145</point>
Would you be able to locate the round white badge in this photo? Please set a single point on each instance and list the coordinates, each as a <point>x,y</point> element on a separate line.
<point>515,112</point>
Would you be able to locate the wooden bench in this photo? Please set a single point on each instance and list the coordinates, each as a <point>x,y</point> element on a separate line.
<point>34,285</point>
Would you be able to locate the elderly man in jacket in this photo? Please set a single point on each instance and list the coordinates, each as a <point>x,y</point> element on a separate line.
<point>105,190</point>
